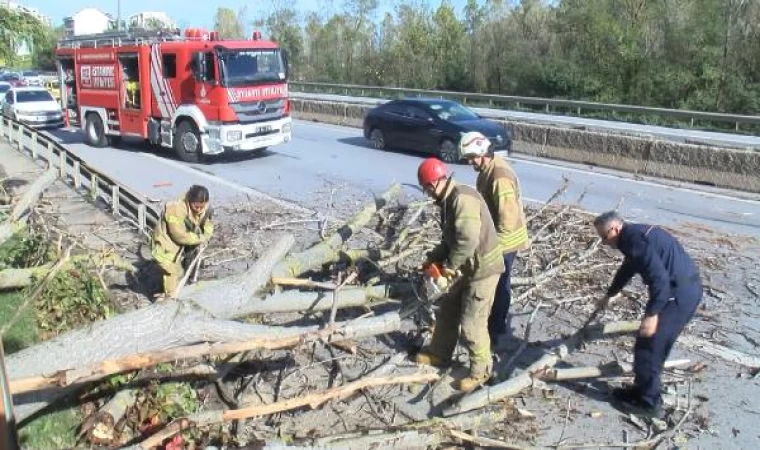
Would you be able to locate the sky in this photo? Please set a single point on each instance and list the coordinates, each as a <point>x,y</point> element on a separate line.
<point>198,13</point>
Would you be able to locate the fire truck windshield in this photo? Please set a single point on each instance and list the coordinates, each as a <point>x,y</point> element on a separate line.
<point>245,67</point>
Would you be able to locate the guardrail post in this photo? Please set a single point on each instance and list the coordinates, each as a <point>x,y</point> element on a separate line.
<point>34,146</point>
<point>547,107</point>
<point>20,137</point>
<point>77,175</point>
<point>62,163</point>
<point>93,187</point>
<point>141,214</point>
<point>737,126</point>
<point>579,110</point>
<point>115,199</point>
<point>692,123</point>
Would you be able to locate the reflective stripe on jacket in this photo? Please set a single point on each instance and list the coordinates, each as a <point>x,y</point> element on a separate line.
<point>500,188</point>
<point>469,241</point>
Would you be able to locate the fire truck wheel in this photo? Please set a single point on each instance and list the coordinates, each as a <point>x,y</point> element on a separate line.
<point>187,142</point>
<point>95,133</point>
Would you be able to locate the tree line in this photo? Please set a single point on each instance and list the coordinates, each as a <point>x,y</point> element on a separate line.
<point>691,54</point>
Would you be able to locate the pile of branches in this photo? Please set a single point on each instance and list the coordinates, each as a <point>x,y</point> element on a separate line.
<point>291,334</point>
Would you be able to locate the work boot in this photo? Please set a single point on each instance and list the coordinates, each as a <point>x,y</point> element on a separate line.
<point>472,381</point>
<point>625,394</point>
<point>429,359</point>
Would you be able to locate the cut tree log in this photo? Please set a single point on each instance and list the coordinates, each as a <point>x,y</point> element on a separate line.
<point>100,428</point>
<point>605,370</point>
<point>312,401</point>
<point>259,337</point>
<point>524,380</point>
<point>329,250</point>
<point>15,220</point>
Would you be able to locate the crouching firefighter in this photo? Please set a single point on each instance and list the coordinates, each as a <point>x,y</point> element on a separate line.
<point>469,252</point>
<point>675,291</point>
<point>185,225</point>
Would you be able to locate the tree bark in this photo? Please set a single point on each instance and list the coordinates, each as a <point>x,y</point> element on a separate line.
<point>329,250</point>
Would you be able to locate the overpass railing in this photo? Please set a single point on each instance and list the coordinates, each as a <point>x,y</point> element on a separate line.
<point>630,113</point>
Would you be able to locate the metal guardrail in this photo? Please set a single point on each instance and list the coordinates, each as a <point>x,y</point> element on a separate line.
<point>547,104</point>
<point>121,201</point>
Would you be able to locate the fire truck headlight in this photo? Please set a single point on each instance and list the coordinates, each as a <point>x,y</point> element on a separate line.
<point>286,128</point>
<point>234,135</point>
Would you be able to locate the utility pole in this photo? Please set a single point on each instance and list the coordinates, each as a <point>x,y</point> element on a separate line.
<point>118,15</point>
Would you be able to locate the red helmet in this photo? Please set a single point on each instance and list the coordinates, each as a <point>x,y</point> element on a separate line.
<point>431,169</point>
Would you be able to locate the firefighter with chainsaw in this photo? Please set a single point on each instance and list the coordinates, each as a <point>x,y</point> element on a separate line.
<point>675,291</point>
<point>185,226</point>
<point>469,258</point>
<point>500,188</point>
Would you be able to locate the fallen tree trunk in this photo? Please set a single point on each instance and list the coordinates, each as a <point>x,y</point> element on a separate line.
<point>329,250</point>
<point>516,384</point>
<point>157,327</point>
<point>259,337</point>
<point>14,221</point>
<point>311,400</point>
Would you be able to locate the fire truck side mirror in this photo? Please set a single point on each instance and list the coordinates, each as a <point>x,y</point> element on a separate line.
<point>199,66</point>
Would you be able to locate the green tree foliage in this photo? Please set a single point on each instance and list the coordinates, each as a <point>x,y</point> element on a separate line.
<point>19,29</point>
<point>228,24</point>
<point>698,54</point>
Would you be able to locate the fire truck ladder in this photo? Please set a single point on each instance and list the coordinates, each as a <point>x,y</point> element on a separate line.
<point>119,38</point>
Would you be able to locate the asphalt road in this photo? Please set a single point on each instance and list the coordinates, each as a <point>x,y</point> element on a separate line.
<point>692,136</point>
<point>326,162</point>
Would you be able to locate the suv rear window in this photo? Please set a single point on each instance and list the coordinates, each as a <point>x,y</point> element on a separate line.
<point>33,96</point>
<point>30,74</point>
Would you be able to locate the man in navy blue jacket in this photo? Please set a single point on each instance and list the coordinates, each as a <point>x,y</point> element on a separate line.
<point>675,290</point>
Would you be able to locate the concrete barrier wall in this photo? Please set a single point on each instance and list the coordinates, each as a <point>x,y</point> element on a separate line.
<point>722,167</point>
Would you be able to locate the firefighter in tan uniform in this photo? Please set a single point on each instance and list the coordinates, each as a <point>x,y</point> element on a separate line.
<point>500,188</point>
<point>470,248</point>
<point>185,225</point>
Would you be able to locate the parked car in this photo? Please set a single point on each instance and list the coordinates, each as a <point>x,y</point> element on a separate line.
<point>13,78</point>
<point>34,106</point>
<point>430,126</point>
<point>32,78</point>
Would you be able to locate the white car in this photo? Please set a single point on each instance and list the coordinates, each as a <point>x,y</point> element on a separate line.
<point>32,78</point>
<point>34,106</point>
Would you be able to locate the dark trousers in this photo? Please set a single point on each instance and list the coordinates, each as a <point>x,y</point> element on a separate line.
<point>650,353</point>
<point>497,321</point>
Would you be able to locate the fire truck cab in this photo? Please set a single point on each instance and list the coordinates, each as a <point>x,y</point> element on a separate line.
<point>194,93</point>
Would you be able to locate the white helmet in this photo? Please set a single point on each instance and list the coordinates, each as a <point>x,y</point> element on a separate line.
<point>474,144</point>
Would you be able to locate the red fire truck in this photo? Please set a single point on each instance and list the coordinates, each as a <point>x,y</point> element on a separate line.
<point>191,92</point>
